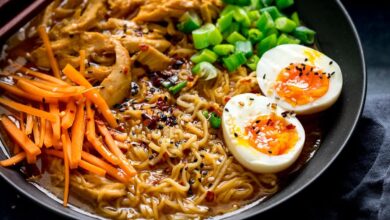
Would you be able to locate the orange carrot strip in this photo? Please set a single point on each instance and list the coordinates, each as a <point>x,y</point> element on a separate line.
<point>16,149</point>
<point>82,62</point>
<point>123,163</point>
<point>40,75</point>
<point>92,168</point>
<point>49,50</point>
<point>92,95</point>
<point>21,121</point>
<point>29,124</point>
<point>91,136</point>
<point>70,113</point>
<point>52,87</point>
<point>66,144</point>
<point>18,92</point>
<point>28,109</point>
<point>83,164</point>
<point>112,171</point>
<point>32,89</point>
<point>56,126</point>
<point>36,133</point>
<point>13,160</point>
<point>21,139</point>
<point>42,132</point>
<point>78,130</point>
<point>48,139</point>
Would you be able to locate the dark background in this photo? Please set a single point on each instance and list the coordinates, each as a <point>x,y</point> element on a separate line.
<point>327,197</point>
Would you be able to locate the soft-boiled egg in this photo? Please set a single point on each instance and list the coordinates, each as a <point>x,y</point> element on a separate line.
<point>299,78</point>
<point>262,136</point>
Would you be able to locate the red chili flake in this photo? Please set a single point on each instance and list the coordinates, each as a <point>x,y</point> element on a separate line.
<point>227,98</point>
<point>290,126</point>
<point>125,70</point>
<point>210,196</point>
<point>143,47</point>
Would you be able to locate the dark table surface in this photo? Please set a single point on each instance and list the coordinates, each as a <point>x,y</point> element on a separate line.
<point>322,199</point>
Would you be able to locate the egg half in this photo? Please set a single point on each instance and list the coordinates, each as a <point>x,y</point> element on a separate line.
<point>299,78</point>
<point>262,136</point>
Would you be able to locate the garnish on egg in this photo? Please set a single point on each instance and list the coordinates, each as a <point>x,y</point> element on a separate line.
<point>300,78</point>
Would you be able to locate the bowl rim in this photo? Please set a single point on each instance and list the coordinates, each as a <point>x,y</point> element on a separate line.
<point>63,213</point>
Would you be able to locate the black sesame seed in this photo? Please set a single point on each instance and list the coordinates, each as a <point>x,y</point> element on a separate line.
<point>332,73</point>
<point>226,110</point>
<point>200,179</point>
<point>235,135</point>
<point>252,99</point>
<point>258,121</point>
<point>264,76</point>
<point>201,165</point>
<point>306,59</point>
<point>331,62</point>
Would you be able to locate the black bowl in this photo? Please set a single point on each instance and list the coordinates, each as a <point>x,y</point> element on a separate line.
<point>337,37</point>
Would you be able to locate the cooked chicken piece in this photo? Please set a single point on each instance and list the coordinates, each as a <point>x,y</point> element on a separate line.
<point>133,44</point>
<point>121,8</point>
<point>115,87</point>
<point>152,58</point>
<point>94,11</point>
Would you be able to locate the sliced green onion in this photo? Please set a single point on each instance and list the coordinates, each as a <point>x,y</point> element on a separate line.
<point>215,121</point>
<point>228,9</point>
<point>255,35</point>
<point>273,11</point>
<point>204,55</point>
<point>284,24</point>
<point>266,44</point>
<point>304,34</point>
<point>265,22</point>
<point>254,15</point>
<point>295,18</point>
<point>189,21</point>
<point>282,4</point>
<point>255,5</point>
<point>224,22</point>
<point>238,2</point>
<point>244,31</point>
<point>267,3</point>
<point>234,37</point>
<point>167,83</point>
<point>232,28</point>
<point>287,39</point>
<point>176,89</point>
<point>205,36</point>
<point>233,61</point>
<point>223,49</point>
<point>205,70</point>
<point>272,31</point>
<point>244,47</point>
<point>242,17</point>
<point>252,62</point>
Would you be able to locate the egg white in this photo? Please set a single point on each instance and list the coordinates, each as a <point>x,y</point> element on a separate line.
<point>280,57</point>
<point>244,109</point>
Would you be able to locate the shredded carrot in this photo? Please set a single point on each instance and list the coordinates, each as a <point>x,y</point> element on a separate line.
<point>52,87</point>
<point>78,130</point>
<point>55,153</point>
<point>48,139</point>
<point>112,171</point>
<point>16,149</point>
<point>70,112</point>
<point>28,109</point>
<point>123,163</point>
<point>82,62</point>
<point>29,124</point>
<point>65,140</point>
<point>21,121</point>
<point>20,138</point>
<point>92,168</point>
<point>41,75</point>
<point>49,50</point>
<point>18,92</point>
<point>36,132</point>
<point>91,136</point>
<point>56,126</point>
<point>13,160</point>
<point>92,95</point>
<point>35,90</point>
<point>42,131</point>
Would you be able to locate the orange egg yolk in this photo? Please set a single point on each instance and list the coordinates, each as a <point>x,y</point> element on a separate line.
<point>272,134</point>
<point>300,84</point>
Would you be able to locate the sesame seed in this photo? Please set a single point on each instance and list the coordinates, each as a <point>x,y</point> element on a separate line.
<point>331,62</point>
